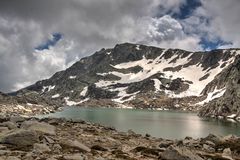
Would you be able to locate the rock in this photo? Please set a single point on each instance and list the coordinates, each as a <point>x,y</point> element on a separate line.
<point>40,127</point>
<point>76,156</point>
<point>49,140</point>
<point>147,151</point>
<point>99,148</point>
<point>210,143</point>
<point>208,148</point>
<point>9,124</point>
<point>165,144</point>
<point>20,137</point>
<point>41,148</point>
<point>147,135</point>
<point>179,153</point>
<point>57,148</point>
<point>17,119</point>
<point>12,158</point>
<point>229,138</point>
<point>213,138</point>
<point>2,147</point>
<point>4,152</point>
<point>75,144</point>
<point>227,153</point>
<point>4,129</point>
<point>52,158</point>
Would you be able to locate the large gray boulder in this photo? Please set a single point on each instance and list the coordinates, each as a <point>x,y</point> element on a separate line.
<point>41,148</point>
<point>179,153</point>
<point>20,138</point>
<point>40,127</point>
<point>74,144</point>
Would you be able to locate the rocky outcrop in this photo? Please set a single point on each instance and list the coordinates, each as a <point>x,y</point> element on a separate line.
<point>75,140</point>
<point>229,103</point>
<point>26,103</point>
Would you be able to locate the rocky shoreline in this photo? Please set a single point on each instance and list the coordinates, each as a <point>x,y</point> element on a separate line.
<point>60,139</point>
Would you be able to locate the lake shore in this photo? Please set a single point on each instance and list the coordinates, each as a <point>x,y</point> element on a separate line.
<point>61,139</point>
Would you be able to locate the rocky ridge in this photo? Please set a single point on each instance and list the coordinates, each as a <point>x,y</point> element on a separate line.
<point>61,139</point>
<point>27,104</point>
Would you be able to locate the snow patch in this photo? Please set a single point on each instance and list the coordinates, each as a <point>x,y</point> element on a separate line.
<point>56,96</point>
<point>232,116</point>
<point>121,97</point>
<point>73,103</point>
<point>84,91</point>
<point>108,53</point>
<point>157,84</point>
<point>72,77</point>
<point>138,47</point>
<point>102,74</point>
<point>213,95</point>
<point>47,88</point>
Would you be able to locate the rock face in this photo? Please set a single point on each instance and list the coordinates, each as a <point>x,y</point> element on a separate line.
<point>83,140</point>
<point>142,76</point>
<point>229,103</point>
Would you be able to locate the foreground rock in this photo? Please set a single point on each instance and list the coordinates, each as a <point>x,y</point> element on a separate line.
<point>60,139</point>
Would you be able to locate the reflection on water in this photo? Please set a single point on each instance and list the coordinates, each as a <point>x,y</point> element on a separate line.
<point>165,124</point>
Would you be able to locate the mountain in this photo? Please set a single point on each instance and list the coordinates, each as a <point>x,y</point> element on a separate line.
<point>132,75</point>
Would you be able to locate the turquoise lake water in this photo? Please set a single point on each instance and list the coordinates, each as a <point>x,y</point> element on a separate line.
<point>164,124</point>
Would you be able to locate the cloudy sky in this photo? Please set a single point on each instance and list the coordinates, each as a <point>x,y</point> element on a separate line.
<point>40,37</point>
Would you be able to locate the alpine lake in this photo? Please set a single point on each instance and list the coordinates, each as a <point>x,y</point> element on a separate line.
<point>162,124</point>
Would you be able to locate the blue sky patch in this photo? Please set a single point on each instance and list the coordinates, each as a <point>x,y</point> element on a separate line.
<point>187,9</point>
<point>50,42</point>
<point>210,45</point>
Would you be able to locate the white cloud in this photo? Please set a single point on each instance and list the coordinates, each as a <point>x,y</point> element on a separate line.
<point>88,25</point>
<point>166,32</point>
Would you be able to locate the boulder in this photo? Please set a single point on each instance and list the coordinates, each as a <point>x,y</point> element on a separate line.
<point>41,148</point>
<point>179,153</point>
<point>208,148</point>
<point>99,148</point>
<point>165,144</point>
<point>56,148</point>
<point>3,129</point>
<point>212,138</point>
<point>74,144</point>
<point>227,153</point>
<point>40,127</point>
<point>9,124</point>
<point>76,156</point>
<point>20,137</point>
<point>16,119</point>
<point>12,158</point>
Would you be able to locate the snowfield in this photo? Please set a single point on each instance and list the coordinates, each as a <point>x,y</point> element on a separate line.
<point>192,73</point>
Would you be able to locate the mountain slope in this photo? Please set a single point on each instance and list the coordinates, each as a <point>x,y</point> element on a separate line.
<point>229,79</point>
<point>140,76</point>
